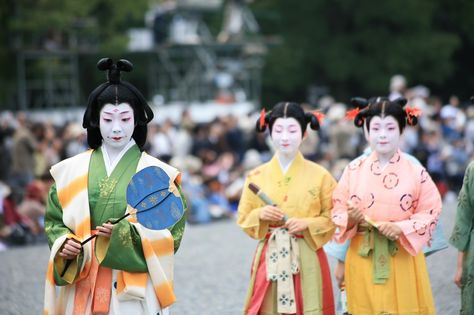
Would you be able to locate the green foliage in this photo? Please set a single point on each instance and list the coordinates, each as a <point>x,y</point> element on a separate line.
<point>351,47</point>
<point>92,26</point>
<point>354,47</point>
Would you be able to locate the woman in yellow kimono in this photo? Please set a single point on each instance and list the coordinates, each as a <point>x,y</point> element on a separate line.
<point>389,207</point>
<point>290,273</point>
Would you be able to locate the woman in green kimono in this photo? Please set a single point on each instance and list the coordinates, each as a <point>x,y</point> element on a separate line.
<point>128,268</point>
<point>462,238</point>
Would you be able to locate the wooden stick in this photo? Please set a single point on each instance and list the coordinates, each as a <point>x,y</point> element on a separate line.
<point>257,191</point>
<point>69,261</point>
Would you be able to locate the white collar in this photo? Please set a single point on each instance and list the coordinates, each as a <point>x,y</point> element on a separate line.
<point>109,167</point>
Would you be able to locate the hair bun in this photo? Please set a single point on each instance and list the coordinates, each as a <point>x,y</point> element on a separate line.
<point>124,65</point>
<point>313,120</point>
<point>105,64</point>
<point>400,101</point>
<point>113,74</point>
<point>359,102</point>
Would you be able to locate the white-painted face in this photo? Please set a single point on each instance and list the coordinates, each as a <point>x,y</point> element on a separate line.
<point>384,135</point>
<point>116,123</point>
<point>287,136</point>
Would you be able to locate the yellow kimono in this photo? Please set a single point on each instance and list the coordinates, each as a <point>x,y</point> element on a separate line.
<point>305,191</point>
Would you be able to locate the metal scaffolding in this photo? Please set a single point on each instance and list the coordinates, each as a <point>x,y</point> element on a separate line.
<point>47,79</point>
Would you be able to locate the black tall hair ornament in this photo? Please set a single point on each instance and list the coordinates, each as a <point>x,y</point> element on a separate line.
<point>143,112</point>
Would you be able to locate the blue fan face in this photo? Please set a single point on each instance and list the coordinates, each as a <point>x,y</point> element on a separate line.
<point>148,192</point>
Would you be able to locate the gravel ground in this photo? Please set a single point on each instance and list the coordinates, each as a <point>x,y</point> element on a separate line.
<point>211,272</point>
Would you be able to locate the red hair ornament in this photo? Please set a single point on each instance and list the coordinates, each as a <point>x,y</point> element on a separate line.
<point>351,115</point>
<point>412,112</point>
<point>262,122</point>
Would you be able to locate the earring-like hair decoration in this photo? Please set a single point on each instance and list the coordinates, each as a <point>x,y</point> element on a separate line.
<point>314,119</point>
<point>412,115</point>
<point>359,112</point>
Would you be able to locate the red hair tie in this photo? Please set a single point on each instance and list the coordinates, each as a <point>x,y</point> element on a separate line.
<point>412,112</point>
<point>262,119</point>
<point>319,116</point>
<point>351,115</point>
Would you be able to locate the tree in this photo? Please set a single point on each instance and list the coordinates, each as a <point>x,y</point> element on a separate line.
<point>93,26</point>
<point>354,47</point>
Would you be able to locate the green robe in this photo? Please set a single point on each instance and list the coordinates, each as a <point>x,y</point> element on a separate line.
<point>462,239</point>
<point>107,200</point>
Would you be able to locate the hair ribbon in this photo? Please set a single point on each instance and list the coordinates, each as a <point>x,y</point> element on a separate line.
<point>319,116</point>
<point>412,112</point>
<point>351,115</point>
<point>262,122</point>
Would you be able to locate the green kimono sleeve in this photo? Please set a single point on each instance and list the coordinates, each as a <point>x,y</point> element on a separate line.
<point>123,251</point>
<point>54,228</point>
<point>177,230</point>
<point>461,235</point>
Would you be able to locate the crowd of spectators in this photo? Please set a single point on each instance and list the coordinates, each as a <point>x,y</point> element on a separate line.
<point>215,156</point>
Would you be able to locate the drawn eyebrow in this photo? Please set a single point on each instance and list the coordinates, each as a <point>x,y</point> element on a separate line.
<point>121,113</point>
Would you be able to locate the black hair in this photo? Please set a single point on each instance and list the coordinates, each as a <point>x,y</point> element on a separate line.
<point>383,107</point>
<point>287,110</point>
<point>116,91</point>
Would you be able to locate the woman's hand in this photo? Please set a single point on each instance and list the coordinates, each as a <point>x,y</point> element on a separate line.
<point>271,213</point>
<point>70,249</point>
<point>390,230</point>
<point>295,225</point>
<point>458,275</point>
<point>354,215</point>
<point>105,229</point>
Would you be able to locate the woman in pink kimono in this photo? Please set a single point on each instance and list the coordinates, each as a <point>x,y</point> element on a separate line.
<point>290,273</point>
<point>389,207</point>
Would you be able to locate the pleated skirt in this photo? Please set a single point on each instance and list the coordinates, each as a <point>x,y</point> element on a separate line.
<point>406,292</point>
<point>313,287</point>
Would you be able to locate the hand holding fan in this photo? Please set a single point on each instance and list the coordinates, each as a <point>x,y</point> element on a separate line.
<point>152,200</point>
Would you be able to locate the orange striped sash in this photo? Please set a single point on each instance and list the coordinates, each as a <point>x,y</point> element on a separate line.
<point>98,283</point>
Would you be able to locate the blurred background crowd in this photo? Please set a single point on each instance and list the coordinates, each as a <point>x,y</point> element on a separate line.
<point>215,156</point>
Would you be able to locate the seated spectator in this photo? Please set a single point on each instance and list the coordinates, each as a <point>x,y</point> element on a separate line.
<point>33,207</point>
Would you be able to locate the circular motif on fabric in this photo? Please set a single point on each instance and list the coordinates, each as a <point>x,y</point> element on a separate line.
<point>406,202</point>
<point>395,158</point>
<point>375,168</point>
<point>355,200</point>
<point>354,164</point>
<point>419,228</point>
<point>424,176</point>
<point>432,228</point>
<point>371,201</point>
<point>390,181</point>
